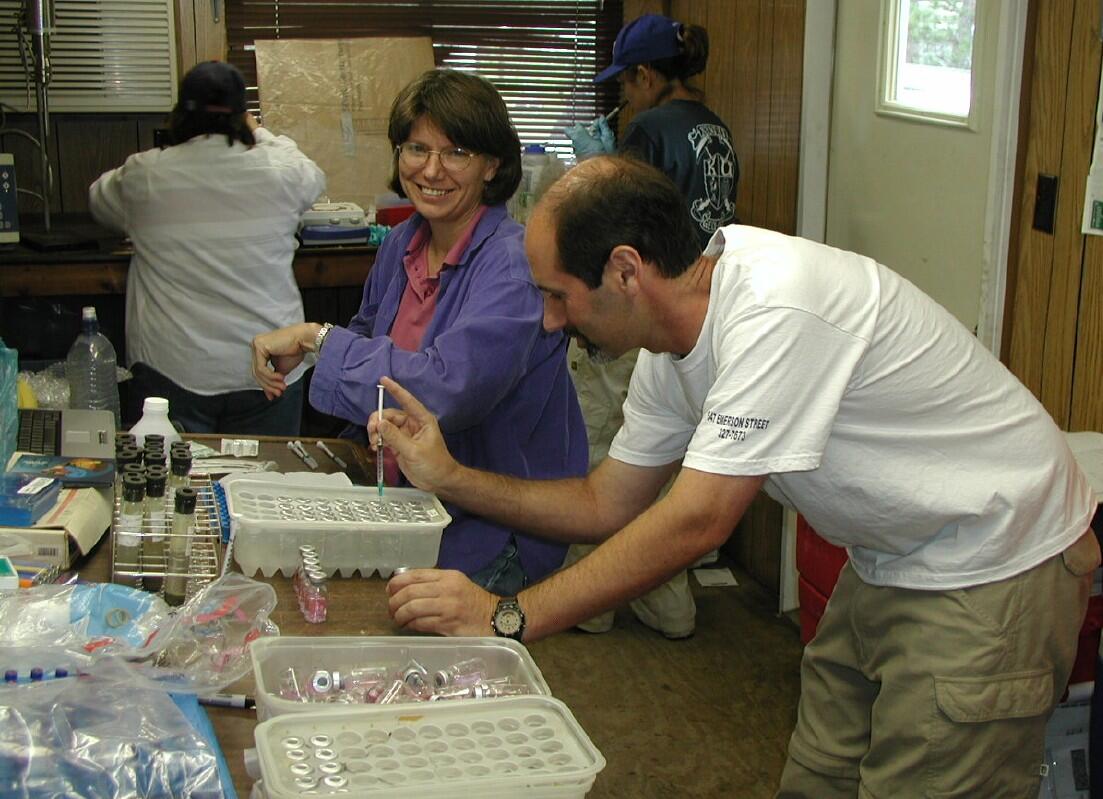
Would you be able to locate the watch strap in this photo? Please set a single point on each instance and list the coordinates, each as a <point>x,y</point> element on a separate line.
<point>320,337</point>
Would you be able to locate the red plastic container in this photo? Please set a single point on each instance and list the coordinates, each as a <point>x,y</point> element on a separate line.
<point>393,214</point>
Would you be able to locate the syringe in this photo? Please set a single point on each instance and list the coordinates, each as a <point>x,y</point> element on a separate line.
<point>379,452</point>
<point>608,117</point>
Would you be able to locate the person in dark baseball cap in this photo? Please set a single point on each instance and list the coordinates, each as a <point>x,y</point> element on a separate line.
<point>652,37</point>
<point>212,218</point>
<point>211,100</point>
<point>653,58</point>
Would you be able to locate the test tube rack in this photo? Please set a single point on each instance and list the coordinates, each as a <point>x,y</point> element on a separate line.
<point>204,548</point>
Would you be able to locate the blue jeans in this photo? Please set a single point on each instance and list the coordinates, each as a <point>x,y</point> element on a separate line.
<point>504,575</point>
<point>238,412</point>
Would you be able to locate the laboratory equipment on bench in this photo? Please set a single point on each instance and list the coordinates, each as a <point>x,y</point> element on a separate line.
<point>329,223</point>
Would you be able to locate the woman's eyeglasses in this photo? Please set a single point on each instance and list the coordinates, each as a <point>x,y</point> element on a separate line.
<point>415,156</point>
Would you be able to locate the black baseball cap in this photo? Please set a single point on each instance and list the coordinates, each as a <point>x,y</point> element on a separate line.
<point>214,87</point>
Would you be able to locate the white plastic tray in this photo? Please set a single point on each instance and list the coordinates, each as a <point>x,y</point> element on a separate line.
<point>515,747</point>
<point>351,527</point>
<point>272,657</point>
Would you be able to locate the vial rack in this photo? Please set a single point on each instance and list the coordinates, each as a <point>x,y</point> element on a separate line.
<point>204,552</point>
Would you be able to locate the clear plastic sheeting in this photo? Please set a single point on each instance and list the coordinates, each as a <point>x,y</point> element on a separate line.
<point>208,648</point>
<point>100,618</point>
<point>203,647</point>
<point>98,736</point>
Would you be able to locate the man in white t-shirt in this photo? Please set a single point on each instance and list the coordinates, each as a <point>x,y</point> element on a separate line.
<point>839,388</point>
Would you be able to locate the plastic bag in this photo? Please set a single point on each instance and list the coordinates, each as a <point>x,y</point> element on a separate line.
<point>100,735</point>
<point>203,647</point>
<point>50,386</point>
<point>101,618</point>
<point>208,648</point>
<point>9,414</point>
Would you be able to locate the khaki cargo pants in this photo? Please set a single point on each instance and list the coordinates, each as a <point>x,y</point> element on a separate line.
<point>937,694</point>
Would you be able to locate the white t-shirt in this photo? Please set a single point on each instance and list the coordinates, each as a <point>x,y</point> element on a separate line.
<point>213,228</point>
<point>873,411</point>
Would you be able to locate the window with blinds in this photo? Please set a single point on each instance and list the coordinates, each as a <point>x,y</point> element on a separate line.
<point>542,55</point>
<point>105,55</point>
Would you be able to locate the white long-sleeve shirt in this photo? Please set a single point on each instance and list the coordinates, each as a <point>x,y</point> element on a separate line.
<point>213,228</point>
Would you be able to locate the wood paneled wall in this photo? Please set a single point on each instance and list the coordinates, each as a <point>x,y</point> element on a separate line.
<point>753,83</point>
<point>1054,327</point>
<point>82,147</point>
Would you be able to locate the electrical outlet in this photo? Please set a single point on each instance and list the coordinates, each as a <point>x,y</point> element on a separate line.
<point>9,208</point>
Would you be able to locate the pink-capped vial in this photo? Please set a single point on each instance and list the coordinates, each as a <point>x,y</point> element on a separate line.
<point>315,603</point>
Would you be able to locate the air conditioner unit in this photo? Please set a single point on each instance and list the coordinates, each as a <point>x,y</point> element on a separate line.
<point>105,55</point>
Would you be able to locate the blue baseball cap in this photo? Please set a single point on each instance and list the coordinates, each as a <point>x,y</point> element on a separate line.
<point>652,37</point>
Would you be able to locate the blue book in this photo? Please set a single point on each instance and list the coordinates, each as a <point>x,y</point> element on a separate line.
<point>73,472</point>
<point>24,498</point>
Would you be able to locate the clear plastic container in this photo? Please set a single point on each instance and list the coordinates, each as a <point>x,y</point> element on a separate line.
<point>539,169</point>
<point>352,528</point>
<point>90,368</point>
<point>155,421</point>
<point>272,657</point>
<point>517,747</point>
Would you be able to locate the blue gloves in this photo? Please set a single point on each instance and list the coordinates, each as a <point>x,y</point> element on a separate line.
<point>587,144</point>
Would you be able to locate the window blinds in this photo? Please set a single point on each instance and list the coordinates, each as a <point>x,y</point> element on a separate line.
<point>106,55</point>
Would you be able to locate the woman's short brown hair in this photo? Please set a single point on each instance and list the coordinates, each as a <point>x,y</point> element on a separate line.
<point>470,112</point>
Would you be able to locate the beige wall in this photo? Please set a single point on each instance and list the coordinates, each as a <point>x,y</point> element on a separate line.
<point>912,195</point>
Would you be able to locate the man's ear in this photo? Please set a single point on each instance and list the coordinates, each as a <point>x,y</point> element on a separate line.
<point>622,270</point>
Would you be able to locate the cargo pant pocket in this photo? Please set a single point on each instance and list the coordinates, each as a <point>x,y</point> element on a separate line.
<point>1082,557</point>
<point>986,734</point>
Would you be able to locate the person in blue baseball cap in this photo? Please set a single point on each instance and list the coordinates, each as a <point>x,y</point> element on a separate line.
<point>653,58</point>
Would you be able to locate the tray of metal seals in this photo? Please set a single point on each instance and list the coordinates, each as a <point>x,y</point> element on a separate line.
<point>529,746</point>
<point>352,528</point>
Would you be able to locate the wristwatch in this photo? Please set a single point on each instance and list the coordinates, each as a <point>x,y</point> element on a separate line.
<point>320,338</point>
<point>508,620</point>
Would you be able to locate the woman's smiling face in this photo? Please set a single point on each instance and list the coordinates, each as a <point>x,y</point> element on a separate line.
<point>441,195</point>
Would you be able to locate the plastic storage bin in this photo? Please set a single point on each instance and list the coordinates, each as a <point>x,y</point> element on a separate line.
<point>515,747</point>
<point>352,527</point>
<point>272,657</point>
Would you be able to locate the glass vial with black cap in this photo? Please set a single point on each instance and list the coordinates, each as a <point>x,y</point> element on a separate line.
<point>183,527</point>
<point>128,531</point>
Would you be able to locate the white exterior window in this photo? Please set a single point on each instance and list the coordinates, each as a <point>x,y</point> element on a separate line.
<point>105,55</point>
<point>928,51</point>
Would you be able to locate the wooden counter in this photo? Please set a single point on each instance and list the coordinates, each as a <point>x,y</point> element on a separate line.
<point>26,273</point>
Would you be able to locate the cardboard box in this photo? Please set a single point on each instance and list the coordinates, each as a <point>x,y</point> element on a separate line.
<point>77,521</point>
<point>333,97</point>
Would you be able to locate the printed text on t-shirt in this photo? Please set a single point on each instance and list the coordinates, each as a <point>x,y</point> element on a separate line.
<point>734,428</point>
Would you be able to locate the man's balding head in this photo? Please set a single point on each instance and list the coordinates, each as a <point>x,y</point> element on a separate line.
<point>613,200</point>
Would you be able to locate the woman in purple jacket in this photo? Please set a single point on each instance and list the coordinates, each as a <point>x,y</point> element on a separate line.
<point>450,311</point>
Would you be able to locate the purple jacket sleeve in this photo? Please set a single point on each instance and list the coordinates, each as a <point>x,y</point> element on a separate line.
<point>474,353</point>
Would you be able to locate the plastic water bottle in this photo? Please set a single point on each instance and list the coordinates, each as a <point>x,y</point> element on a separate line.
<point>539,169</point>
<point>90,368</point>
<point>155,420</point>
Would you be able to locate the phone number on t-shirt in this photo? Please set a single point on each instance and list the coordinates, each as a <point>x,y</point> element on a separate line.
<point>734,428</point>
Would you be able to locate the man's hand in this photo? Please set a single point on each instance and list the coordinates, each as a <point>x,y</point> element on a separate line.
<point>442,602</point>
<point>284,349</point>
<point>414,436</point>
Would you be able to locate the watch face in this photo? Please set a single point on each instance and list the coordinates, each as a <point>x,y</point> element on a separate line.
<point>508,621</point>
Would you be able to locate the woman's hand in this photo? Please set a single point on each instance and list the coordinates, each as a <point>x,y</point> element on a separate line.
<point>284,349</point>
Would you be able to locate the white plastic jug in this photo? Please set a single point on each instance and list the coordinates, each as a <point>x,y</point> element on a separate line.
<point>155,419</point>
